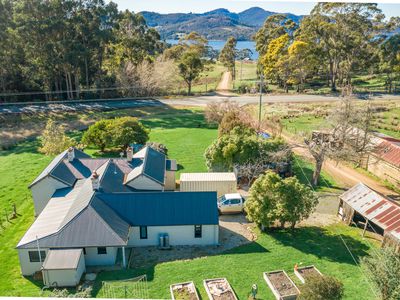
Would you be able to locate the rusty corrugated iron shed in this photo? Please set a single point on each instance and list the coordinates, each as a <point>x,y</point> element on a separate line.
<point>374,207</point>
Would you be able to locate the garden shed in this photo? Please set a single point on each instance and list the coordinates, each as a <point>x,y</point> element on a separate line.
<point>220,182</point>
<point>63,267</point>
<point>363,204</point>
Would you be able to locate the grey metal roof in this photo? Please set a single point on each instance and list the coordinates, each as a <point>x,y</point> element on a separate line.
<point>164,208</point>
<point>87,229</point>
<point>60,172</point>
<point>50,167</point>
<point>64,174</point>
<point>62,259</point>
<point>80,222</point>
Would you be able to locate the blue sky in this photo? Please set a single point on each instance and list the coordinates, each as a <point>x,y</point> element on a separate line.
<point>198,6</point>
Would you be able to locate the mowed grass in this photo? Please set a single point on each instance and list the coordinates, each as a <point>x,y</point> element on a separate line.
<point>280,250</point>
<point>21,165</point>
<point>186,136</point>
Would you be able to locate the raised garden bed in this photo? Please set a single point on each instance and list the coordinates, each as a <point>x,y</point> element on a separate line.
<point>184,291</point>
<point>219,289</point>
<point>281,285</point>
<point>305,272</point>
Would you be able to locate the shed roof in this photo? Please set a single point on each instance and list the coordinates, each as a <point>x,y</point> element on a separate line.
<point>164,208</point>
<point>62,259</point>
<point>389,151</point>
<point>217,176</point>
<point>374,207</point>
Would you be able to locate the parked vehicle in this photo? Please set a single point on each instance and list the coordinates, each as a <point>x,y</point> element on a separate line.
<point>230,204</point>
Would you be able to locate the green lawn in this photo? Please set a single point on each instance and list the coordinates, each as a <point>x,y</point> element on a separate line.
<point>244,265</point>
<point>186,136</point>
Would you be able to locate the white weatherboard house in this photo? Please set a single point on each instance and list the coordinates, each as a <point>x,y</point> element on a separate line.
<point>90,210</point>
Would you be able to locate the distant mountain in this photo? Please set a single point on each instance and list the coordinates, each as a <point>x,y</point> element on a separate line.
<point>217,24</point>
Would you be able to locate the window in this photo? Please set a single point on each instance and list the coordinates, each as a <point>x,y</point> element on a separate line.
<point>34,256</point>
<point>235,201</point>
<point>197,231</point>
<point>101,250</point>
<point>84,251</point>
<point>143,232</point>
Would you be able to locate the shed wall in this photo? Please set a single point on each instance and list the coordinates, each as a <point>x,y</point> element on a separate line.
<point>178,235</point>
<point>221,187</point>
<point>64,278</point>
<point>384,170</point>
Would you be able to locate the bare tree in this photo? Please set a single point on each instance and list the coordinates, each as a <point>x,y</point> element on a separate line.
<point>215,111</point>
<point>149,78</point>
<point>349,138</point>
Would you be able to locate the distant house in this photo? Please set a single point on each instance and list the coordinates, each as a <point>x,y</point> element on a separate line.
<point>361,204</point>
<point>384,160</point>
<point>106,206</point>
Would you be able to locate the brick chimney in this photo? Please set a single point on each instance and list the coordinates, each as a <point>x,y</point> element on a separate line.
<point>71,154</point>
<point>129,153</point>
<point>95,181</point>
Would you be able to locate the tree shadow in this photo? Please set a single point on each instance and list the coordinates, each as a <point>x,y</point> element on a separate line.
<point>305,174</point>
<point>322,243</point>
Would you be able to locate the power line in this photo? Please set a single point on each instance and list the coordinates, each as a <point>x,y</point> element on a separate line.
<point>367,280</point>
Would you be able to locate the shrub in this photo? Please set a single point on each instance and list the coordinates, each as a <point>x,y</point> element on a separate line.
<point>127,130</point>
<point>383,267</point>
<point>99,134</point>
<point>231,120</point>
<point>54,139</point>
<point>322,288</point>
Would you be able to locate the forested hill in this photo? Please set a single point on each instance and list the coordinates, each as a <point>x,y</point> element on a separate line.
<point>214,25</point>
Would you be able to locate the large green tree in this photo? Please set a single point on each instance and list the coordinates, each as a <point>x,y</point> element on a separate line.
<point>99,134</point>
<point>228,55</point>
<point>190,66</point>
<point>344,36</point>
<point>273,199</point>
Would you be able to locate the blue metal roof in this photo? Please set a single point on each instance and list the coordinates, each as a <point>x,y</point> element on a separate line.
<point>164,208</point>
<point>154,165</point>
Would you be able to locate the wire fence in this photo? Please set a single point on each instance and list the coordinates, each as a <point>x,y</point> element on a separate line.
<point>133,288</point>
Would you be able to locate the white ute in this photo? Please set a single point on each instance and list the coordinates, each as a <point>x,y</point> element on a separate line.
<point>230,204</point>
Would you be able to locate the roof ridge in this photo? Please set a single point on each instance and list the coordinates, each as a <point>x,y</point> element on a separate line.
<point>48,172</point>
<point>105,223</point>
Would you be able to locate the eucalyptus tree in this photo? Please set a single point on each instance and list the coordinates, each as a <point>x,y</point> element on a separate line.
<point>344,36</point>
<point>228,55</point>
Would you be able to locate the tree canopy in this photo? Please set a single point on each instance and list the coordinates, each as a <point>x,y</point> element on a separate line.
<point>273,199</point>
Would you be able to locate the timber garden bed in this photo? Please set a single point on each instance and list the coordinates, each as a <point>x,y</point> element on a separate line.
<point>219,289</point>
<point>184,291</point>
<point>306,272</point>
<point>281,285</point>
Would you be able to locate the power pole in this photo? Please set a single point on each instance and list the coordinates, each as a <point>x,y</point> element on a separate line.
<point>260,103</point>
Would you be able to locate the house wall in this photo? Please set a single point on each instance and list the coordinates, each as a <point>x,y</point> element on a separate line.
<point>29,268</point>
<point>144,183</point>
<point>62,278</point>
<point>43,190</point>
<point>178,235</point>
<point>170,181</point>
<point>221,187</point>
<point>94,259</point>
<point>383,170</point>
